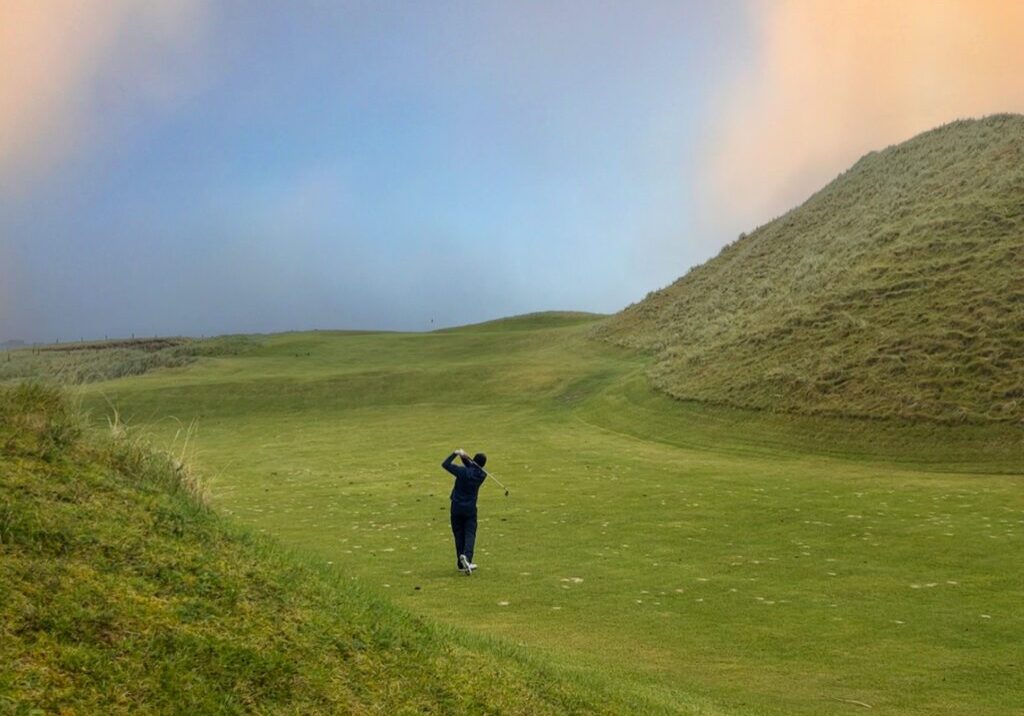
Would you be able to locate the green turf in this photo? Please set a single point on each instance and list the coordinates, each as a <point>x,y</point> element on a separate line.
<point>895,291</point>
<point>674,553</point>
<point>121,593</point>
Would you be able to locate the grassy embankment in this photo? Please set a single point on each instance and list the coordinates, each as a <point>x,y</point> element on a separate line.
<point>895,291</point>
<point>121,592</point>
<point>675,553</point>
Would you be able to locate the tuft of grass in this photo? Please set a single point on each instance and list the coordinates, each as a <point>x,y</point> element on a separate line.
<point>128,451</point>
<point>895,291</point>
<point>38,422</point>
<point>122,593</point>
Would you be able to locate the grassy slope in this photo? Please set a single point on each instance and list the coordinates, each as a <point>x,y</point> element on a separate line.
<point>121,593</point>
<point>700,559</point>
<point>897,290</point>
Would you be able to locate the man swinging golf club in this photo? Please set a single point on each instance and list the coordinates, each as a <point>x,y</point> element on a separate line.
<point>469,476</point>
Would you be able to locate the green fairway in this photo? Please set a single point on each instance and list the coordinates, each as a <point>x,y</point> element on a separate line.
<point>697,557</point>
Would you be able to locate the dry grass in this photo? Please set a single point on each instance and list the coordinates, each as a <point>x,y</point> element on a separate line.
<point>91,362</point>
<point>895,291</point>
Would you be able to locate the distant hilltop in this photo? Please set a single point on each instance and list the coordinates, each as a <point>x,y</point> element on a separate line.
<point>895,291</point>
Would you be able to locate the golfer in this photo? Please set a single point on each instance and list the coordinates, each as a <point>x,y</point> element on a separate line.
<point>468,478</point>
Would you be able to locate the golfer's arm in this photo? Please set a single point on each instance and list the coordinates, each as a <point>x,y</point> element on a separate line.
<point>447,465</point>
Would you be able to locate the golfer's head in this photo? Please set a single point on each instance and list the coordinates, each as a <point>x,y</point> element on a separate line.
<point>480,459</point>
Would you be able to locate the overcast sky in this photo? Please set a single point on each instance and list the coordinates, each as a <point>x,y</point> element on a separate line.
<point>199,168</point>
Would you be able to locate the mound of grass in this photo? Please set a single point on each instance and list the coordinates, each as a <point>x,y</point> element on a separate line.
<point>121,592</point>
<point>895,291</point>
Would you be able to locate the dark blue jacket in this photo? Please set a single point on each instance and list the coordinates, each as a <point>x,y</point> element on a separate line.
<point>468,479</point>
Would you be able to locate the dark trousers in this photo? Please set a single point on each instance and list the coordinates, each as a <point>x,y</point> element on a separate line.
<point>464,529</point>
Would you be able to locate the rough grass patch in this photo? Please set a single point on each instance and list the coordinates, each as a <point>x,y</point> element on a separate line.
<point>904,275</point>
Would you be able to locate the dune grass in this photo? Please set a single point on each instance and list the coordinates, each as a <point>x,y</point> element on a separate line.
<point>690,559</point>
<point>895,291</point>
<point>90,361</point>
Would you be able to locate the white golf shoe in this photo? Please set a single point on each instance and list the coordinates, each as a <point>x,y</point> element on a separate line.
<point>464,565</point>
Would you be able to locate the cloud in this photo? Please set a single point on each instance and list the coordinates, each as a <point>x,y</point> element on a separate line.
<point>62,60</point>
<point>830,81</point>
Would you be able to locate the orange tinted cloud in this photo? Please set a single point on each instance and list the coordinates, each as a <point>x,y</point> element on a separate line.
<point>830,81</point>
<point>53,54</point>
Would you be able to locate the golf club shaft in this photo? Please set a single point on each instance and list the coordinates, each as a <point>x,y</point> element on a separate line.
<point>492,476</point>
<point>489,474</point>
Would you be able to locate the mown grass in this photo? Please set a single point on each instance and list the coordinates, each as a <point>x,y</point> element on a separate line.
<point>688,558</point>
<point>895,291</point>
<point>121,592</point>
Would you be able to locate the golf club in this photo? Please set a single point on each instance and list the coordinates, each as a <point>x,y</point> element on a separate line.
<point>489,474</point>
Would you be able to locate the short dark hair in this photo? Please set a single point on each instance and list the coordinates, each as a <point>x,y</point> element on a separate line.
<point>480,459</point>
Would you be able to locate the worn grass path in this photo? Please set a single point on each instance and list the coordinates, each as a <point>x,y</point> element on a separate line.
<point>692,555</point>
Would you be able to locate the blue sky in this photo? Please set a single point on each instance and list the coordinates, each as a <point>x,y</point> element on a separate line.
<point>200,168</point>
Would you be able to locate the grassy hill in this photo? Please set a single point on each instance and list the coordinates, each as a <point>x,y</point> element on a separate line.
<point>121,592</point>
<point>895,291</point>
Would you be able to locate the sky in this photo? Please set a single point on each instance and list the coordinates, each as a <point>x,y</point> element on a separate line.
<point>196,168</point>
